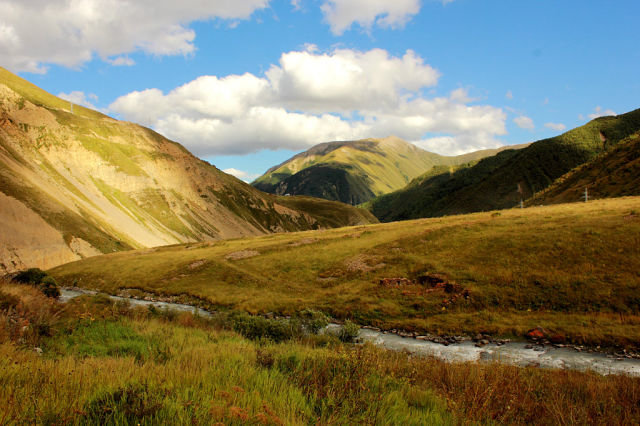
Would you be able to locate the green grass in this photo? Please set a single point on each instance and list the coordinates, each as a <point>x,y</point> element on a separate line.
<point>120,155</point>
<point>501,181</point>
<point>613,173</point>
<point>569,268</point>
<point>356,171</point>
<point>104,363</point>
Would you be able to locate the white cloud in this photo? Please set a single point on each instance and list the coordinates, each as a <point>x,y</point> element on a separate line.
<point>345,79</point>
<point>342,14</point>
<point>312,97</point>
<point>241,174</point>
<point>509,95</point>
<point>599,112</point>
<point>524,122</point>
<point>34,33</point>
<point>122,61</point>
<point>80,98</point>
<point>558,127</point>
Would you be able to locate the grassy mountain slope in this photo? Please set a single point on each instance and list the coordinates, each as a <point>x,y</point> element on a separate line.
<point>614,173</point>
<point>78,183</point>
<point>546,266</point>
<point>503,180</point>
<point>355,172</point>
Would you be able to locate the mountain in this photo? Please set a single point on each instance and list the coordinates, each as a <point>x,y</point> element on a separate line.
<point>501,181</point>
<point>614,173</point>
<point>355,171</point>
<point>76,183</point>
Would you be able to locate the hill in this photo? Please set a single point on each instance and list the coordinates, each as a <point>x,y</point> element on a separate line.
<point>355,171</point>
<point>76,183</point>
<point>501,181</point>
<point>501,273</point>
<point>614,173</point>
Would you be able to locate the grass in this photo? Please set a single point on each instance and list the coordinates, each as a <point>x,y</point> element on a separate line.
<point>613,173</point>
<point>501,181</point>
<point>103,362</point>
<point>354,172</point>
<point>571,269</point>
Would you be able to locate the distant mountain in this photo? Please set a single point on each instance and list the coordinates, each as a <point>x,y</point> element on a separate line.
<point>355,171</point>
<point>76,183</point>
<point>501,181</point>
<point>614,173</point>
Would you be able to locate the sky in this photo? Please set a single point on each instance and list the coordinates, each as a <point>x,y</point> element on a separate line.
<point>246,84</point>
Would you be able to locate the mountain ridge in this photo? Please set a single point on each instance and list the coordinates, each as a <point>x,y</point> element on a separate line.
<point>502,181</point>
<point>356,171</point>
<point>101,185</point>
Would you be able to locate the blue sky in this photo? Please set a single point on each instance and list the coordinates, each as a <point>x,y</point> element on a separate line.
<point>248,83</point>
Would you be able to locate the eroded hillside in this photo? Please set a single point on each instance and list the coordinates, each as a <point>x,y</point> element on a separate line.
<point>75,183</point>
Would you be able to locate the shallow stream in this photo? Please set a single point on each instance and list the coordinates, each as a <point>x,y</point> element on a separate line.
<point>514,353</point>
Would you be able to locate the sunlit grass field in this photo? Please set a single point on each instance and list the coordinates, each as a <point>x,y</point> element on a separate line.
<point>573,269</point>
<point>102,362</point>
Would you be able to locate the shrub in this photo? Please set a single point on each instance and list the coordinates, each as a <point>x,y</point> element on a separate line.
<point>349,331</point>
<point>49,287</point>
<point>312,321</point>
<point>41,280</point>
<point>255,328</point>
<point>31,276</point>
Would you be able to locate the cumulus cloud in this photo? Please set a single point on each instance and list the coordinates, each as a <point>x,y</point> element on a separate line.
<point>311,97</point>
<point>599,112</point>
<point>342,14</point>
<point>80,98</point>
<point>524,122</point>
<point>558,127</point>
<point>70,33</point>
<point>347,79</point>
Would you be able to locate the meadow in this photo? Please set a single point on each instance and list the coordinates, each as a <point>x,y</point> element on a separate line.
<point>571,269</point>
<point>94,361</point>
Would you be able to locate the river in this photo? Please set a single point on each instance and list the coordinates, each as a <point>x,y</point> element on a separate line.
<point>514,353</point>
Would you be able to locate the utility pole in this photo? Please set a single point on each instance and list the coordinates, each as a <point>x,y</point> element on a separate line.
<point>520,192</point>
<point>71,107</point>
<point>586,194</point>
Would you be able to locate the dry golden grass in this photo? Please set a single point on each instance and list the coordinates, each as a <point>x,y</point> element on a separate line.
<point>572,269</point>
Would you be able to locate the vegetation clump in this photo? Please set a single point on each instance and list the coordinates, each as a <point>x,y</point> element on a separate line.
<point>41,280</point>
<point>349,332</point>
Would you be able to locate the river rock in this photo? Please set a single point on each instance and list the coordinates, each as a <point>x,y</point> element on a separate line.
<point>537,333</point>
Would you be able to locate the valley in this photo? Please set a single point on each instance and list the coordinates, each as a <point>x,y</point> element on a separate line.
<point>569,269</point>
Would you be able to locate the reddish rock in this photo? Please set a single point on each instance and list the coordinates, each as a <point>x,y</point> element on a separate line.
<point>536,333</point>
<point>558,339</point>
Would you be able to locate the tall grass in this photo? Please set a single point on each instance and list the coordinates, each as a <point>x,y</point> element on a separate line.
<point>103,363</point>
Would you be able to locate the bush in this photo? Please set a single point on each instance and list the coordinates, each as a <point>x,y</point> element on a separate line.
<point>49,287</point>
<point>255,328</point>
<point>313,321</point>
<point>31,276</point>
<point>349,331</point>
<point>41,280</point>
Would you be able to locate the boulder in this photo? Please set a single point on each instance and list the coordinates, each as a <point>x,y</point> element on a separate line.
<point>537,333</point>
